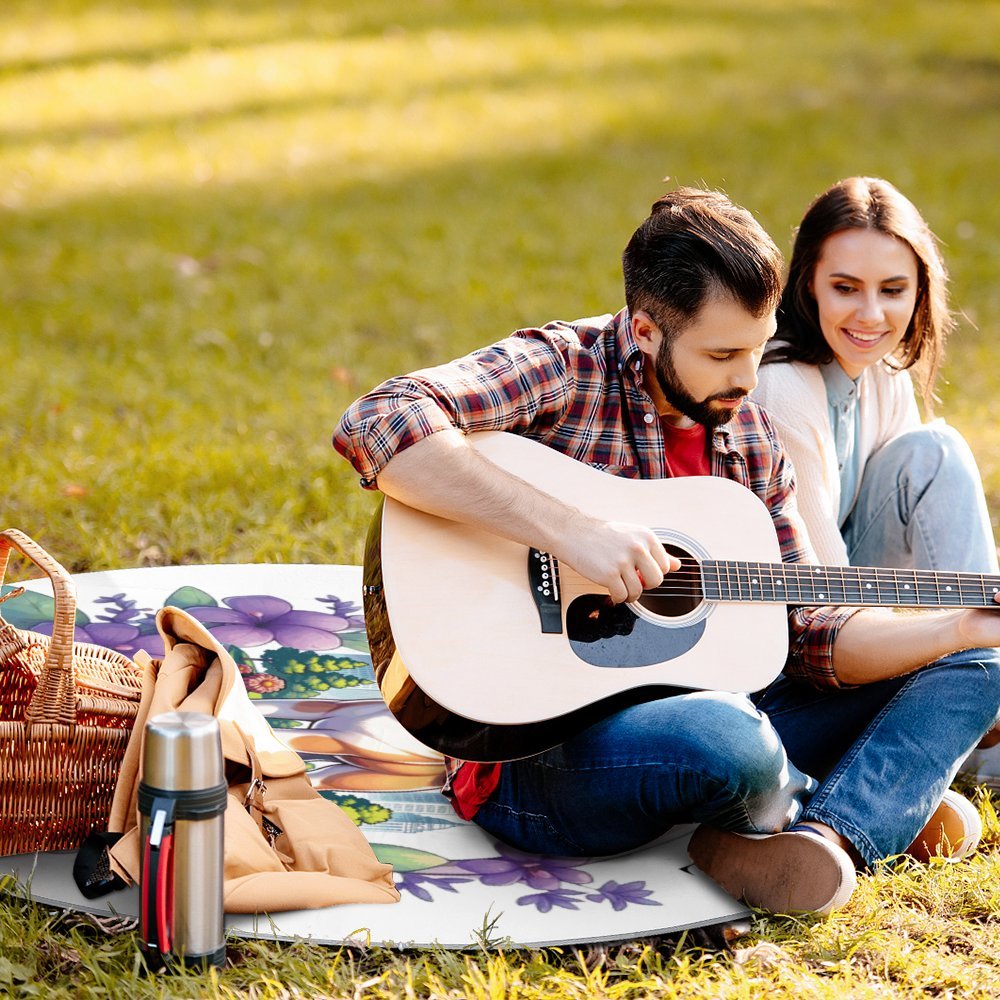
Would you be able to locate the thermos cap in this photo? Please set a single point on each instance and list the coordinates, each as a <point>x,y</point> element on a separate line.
<point>182,752</point>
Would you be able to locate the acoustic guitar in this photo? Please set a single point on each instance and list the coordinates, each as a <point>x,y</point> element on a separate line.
<point>487,650</point>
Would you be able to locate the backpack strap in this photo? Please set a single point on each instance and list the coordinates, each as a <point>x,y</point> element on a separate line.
<point>253,801</point>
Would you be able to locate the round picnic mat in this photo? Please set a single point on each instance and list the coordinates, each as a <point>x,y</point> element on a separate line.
<point>297,632</point>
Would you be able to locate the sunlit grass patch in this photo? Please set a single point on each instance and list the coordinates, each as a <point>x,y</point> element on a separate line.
<point>910,930</point>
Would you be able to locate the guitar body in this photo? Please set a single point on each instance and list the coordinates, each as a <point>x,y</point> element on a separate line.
<point>473,665</point>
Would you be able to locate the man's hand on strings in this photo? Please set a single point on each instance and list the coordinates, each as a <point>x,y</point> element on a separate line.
<point>624,558</point>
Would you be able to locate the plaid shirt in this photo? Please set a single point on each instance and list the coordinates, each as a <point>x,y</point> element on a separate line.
<point>577,387</point>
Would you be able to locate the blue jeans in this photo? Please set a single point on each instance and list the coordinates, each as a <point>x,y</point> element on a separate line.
<point>704,757</point>
<point>884,753</point>
<point>921,506</point>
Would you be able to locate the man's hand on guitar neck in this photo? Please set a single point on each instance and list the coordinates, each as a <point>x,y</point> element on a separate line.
<point>443,475</point>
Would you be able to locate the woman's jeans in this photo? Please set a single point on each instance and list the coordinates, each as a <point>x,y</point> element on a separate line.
<point>920,505</point>
<point>884,753</point>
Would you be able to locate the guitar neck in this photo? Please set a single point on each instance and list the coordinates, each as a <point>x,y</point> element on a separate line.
<point>801,583</point>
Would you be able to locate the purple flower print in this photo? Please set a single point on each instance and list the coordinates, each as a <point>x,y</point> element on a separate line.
<point>538,872</point>
<point>534,870</point>
<point>620,895</point>
<point>344,609</point>
<point>412,882</point>
<point>258,620</point>
<point>120,609</point>
<point>122,627</point>
<point>107,634</point>
<point>122,638</point>
<point>554,897</point>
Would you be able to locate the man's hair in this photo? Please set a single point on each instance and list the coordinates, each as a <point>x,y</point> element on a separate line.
<point>695,244</point>
<point>874,204</point>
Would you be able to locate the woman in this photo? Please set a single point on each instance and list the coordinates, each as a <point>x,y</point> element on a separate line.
<point>864,306</point>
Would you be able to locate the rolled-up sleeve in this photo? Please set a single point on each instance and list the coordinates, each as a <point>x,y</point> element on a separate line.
<point>812,632</point>
<point>517,383</point>
<point>382,423</point>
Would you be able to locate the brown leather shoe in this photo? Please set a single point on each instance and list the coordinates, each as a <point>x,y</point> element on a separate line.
<point>788,872</point>
<point>953,832</point>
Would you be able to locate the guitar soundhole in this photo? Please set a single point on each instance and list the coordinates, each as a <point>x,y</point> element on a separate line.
<point>680,593</point>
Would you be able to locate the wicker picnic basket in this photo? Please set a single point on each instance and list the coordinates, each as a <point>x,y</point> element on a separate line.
<point>66,711</point>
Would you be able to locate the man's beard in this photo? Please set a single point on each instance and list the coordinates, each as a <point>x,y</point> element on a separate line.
<point>680,399</point>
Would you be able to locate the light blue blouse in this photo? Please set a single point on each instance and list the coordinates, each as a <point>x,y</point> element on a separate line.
<point>842,402</point>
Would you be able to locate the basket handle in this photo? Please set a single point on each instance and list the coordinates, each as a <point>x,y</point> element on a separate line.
<point>54,700</point>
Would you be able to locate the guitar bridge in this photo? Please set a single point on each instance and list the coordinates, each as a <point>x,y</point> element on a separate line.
<point>543,578</point>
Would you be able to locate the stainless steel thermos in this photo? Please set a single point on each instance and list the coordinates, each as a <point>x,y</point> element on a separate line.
<point>182,800</point>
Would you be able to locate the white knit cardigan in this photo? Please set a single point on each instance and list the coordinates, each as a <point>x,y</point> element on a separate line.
<point>794,395</point>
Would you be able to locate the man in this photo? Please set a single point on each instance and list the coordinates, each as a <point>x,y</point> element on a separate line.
<point>856,743</point>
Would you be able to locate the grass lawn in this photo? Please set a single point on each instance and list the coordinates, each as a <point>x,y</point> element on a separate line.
<point>222,221</point>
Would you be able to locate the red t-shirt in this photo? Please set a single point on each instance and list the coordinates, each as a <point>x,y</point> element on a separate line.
<point>686,450</point>
<point>686,455</point>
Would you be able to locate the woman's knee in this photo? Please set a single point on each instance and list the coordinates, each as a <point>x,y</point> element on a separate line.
<point>923,454</point>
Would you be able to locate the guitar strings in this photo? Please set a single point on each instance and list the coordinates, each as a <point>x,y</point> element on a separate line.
<point>690,581</point>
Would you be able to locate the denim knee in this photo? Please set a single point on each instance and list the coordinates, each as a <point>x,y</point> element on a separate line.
<point>920,505</point>
<point>980,679</point>
<point>969,690</point>
<point>760,790</point>
<point>923,454</point>
<point>717,734</point>
<point>746,750</point>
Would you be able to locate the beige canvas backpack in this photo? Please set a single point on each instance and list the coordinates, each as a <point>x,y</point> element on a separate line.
<point>286,847</point>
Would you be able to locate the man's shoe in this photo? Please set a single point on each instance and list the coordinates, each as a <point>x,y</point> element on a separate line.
<point>789,872</point>
<point>953,832</point>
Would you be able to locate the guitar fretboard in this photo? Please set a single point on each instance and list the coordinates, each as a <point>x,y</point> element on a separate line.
<point>792,583</point>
